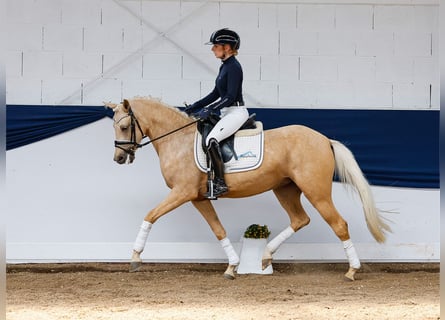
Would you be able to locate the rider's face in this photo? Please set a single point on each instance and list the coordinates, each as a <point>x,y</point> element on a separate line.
<point>221,51</point>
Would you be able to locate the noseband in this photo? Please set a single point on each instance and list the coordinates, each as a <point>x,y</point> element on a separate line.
<point>134,145</point>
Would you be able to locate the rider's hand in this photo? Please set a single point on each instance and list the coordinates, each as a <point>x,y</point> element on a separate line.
<point>204,113</point>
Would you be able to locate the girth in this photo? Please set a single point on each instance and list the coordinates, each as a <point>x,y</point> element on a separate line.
<point>226,145</point>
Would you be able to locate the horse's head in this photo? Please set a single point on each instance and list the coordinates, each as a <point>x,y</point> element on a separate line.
<point>128,132</point>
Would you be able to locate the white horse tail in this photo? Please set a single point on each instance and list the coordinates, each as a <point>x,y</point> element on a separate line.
<point>348,171</point>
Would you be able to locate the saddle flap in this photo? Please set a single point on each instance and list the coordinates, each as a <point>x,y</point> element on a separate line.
<point>249,146</point>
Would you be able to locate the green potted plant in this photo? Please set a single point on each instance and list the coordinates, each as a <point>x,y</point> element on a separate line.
<point>254,242</point>
<point>255,231</point>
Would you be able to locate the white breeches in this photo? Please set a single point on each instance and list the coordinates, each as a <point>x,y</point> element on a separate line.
<point>232,118</point>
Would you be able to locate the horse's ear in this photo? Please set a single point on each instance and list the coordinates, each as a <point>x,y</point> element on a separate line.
<point>126,104</point>
<point>109,105</point>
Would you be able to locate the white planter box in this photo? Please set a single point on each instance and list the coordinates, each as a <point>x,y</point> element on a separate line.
<point>251,256</point>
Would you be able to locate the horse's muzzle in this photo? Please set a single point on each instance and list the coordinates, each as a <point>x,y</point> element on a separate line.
<point>120,157</point>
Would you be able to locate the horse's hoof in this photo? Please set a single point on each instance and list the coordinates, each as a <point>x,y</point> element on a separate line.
<point>265,263</point>
<point>349,276</point>
<point>229,276</point>
<point>135,266</point>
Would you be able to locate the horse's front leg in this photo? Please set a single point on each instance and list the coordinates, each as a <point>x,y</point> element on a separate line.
<point>207,210</point>
<point>173,200</point>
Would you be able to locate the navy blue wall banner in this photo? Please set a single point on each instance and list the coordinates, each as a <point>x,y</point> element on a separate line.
<point>27,124</point>
<point>398,148</point>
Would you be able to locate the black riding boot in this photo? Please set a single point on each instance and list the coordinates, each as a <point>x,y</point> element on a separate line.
<point>219,185</point>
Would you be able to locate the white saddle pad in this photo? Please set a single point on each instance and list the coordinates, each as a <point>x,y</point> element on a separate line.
<point>249,146</point>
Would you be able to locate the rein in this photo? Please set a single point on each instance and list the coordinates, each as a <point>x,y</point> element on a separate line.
<point>134,145</point>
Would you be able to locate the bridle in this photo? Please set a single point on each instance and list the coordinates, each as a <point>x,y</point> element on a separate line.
<point>134,145</point>
<point>132,142</point>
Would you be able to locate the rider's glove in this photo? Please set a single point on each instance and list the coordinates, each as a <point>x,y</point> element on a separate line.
<point>204,113</point>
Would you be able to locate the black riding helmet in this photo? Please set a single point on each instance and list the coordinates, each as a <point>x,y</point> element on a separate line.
<point>225,36</point>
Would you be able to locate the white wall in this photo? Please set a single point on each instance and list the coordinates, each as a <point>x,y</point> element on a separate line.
<point>341,54</point>
<point>68,200</point>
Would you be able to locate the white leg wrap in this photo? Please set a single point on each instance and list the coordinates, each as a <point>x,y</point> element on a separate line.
<point>139,244</point>
<point>354,261</point>
<point>279,239</point>
<point>230,251</point>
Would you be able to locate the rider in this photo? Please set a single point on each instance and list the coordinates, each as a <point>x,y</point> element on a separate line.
<point>228,88</point>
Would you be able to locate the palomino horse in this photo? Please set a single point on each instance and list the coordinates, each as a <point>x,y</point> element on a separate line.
<point>296,160</point>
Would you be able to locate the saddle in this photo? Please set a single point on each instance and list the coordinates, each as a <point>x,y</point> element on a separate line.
<point>226,145</point>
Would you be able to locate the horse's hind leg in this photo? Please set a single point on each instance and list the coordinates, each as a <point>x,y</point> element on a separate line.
<point>326,208</point>
<point>289,198</point>
<point>208,212</point>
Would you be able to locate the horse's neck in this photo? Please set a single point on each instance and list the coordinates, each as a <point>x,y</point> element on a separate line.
<point>155,117</point>
<point>158,120</point>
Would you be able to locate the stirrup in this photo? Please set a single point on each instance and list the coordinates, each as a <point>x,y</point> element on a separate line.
<point>215,189</point>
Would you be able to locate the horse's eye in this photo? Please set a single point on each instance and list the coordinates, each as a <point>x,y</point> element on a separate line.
<point>124,128</point>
